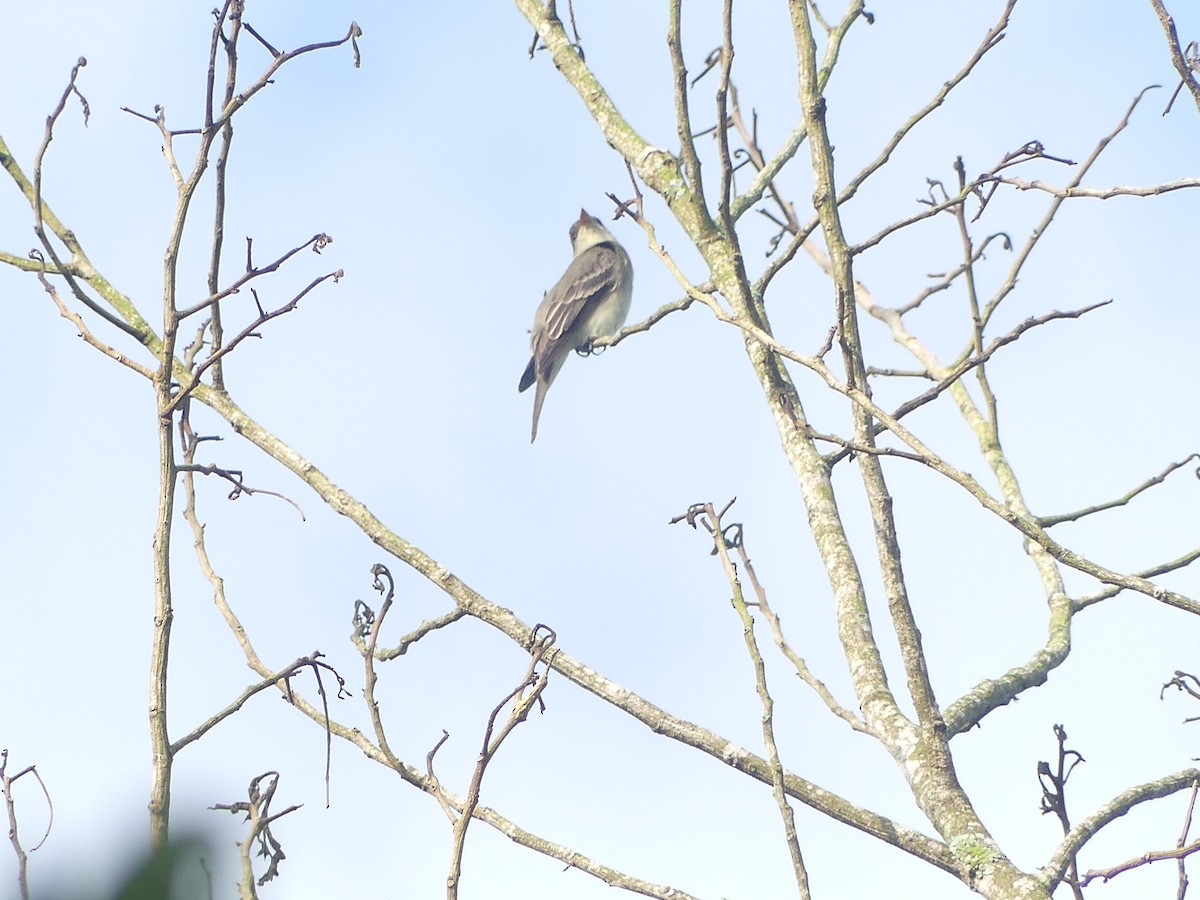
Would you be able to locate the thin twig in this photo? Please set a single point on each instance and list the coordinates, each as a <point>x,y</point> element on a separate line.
<point>948,279</point>
<point>426,627</point>
<point>250,330</point>
<point>6,785</point>
<point>1073,191</point>
<point>1048,521</point>
<point>527,693</point>
<point>42,214</point>
<point>798,663</point>
<point>647,323</point>
<point>771,168</point>
<point>1053,782</point>
<point>725,538</point>
<point>215,296</point>
<point>1182,840</point>
<point>219,182</point>
<point>271,680</point>
<point>84,332</point>
<point>385,584</point>
<point>683,120</point>
<point>257,809</point>
<point>1039,231</point>
<point>1052,873</point>
<point>970,362</point>
<point>1105,875</point>
<point>1186,72</point>
<point>724,158</point>
<point>994,36</point>
<point>1181,562</point>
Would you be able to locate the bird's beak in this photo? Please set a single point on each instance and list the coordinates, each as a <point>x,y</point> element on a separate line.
<point>584,217</point>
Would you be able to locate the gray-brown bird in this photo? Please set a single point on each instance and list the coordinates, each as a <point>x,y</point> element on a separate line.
<point>591,300</point>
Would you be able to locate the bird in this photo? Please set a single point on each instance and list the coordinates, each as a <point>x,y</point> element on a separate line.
<point>591,300</point>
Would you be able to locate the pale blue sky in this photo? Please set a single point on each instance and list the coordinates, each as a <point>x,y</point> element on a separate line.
<point>448,169</point>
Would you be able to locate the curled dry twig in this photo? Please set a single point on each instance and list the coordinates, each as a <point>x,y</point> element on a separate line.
<point>257,809</point>
<point>1054,796</point>
<point>10,804</point>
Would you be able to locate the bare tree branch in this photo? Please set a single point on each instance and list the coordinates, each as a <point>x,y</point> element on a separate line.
<point>1186,69</point>
<point>10,805</point>
<point>1049,521</point>
<point>726,538</point>
<point>1052,873</point>
<point>524,696</point>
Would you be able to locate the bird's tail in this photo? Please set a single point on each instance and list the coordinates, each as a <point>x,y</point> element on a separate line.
<point>538,398</point>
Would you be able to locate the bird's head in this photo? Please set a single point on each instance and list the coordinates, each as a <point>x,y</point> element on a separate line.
<point>588,232</point>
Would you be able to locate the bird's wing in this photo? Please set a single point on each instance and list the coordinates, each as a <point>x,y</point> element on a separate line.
<point>588,281</point>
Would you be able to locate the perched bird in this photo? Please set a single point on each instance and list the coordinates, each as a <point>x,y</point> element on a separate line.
<point>591,300</point>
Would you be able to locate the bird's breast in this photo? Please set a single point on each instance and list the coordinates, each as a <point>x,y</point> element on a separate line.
<point>610,314</point>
